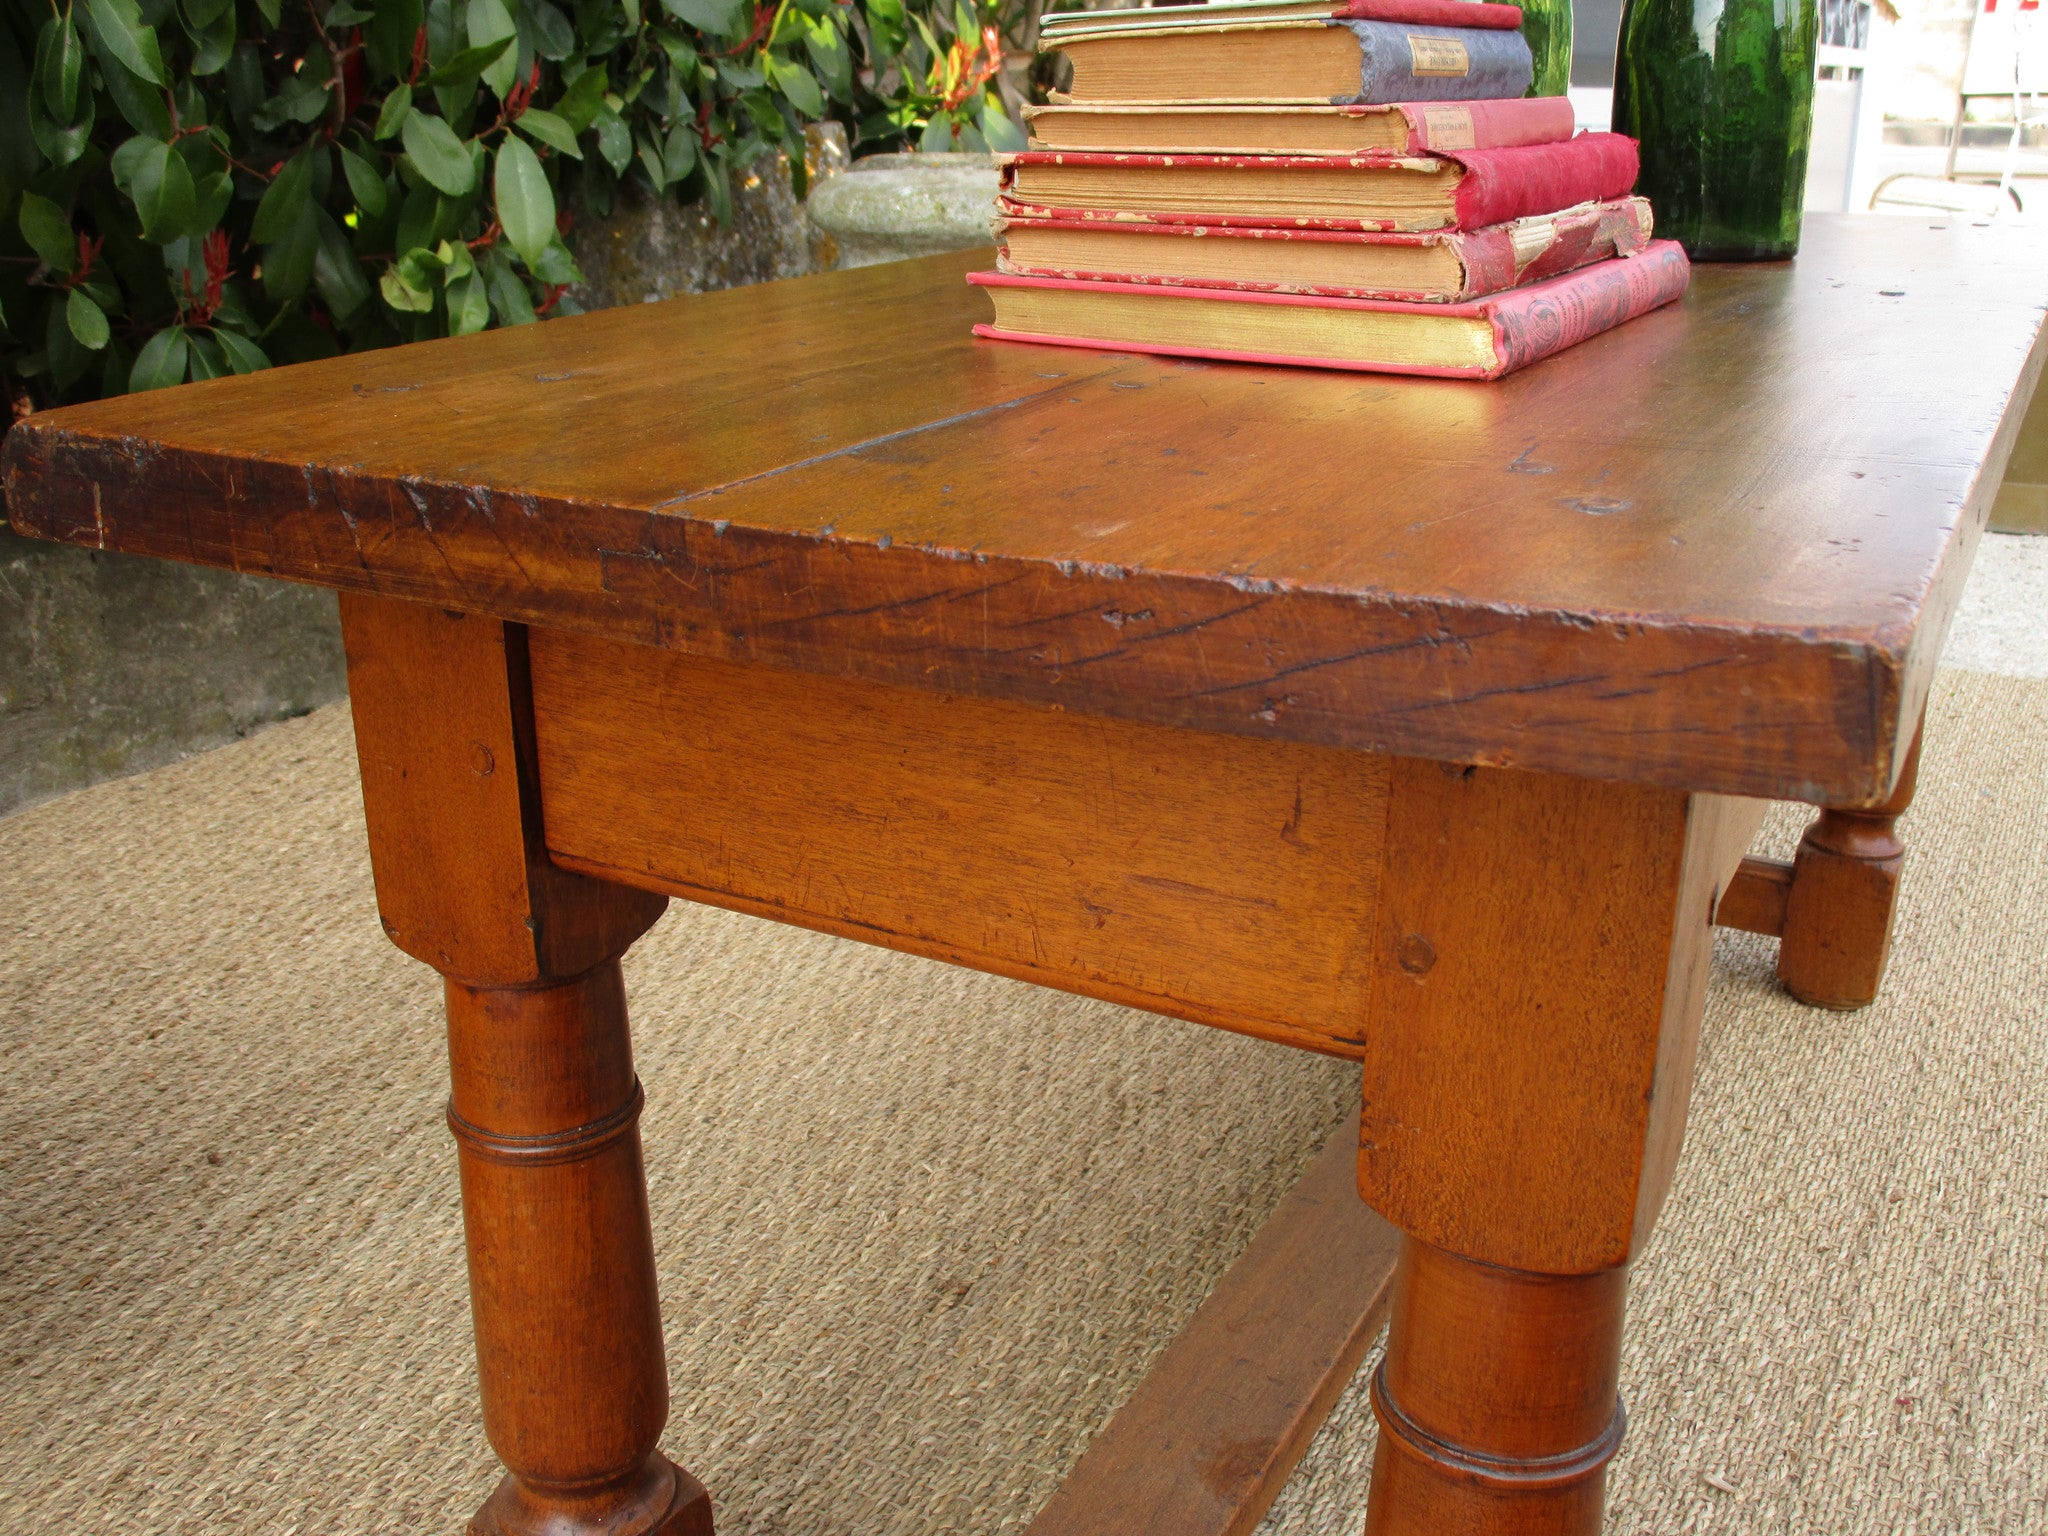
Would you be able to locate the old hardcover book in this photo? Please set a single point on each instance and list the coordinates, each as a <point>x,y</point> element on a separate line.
<point>1479,340</point>
<point>1299,61</point>
<point>1232,13</point>
<point>1397,128</point>
<point>1441,267</point>
<point>1466,190</point>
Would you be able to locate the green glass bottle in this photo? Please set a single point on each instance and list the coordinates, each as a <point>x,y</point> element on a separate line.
<point>1547,27</point>
<point>1719,93</point>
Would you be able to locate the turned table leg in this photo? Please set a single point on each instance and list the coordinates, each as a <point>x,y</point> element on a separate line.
<point>1540,971</point>
<point>1497,1399</point>
<point>545,1106</point>
<point>1831,908</point>
<point>1845,889</point>
<point>546,1116</point>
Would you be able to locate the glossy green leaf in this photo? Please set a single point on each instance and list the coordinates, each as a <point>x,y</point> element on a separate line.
<point>336,273</point>
<point>556,265</point>
<point>469,305</point>
<point>584,99</point>
<point>303,99</point>
<point>162,360</point>
<point>526,203</point>
<point>799,85</point>
<point>721,18</point>
<point>165,199</point>
<point>468,66</point>
<point>47,229</point>
<point>614,139</point>
<point>827,48</point>
<point>60,144</point>
<point>130,39</point>
<point>60,56</point>
<point>546,128</point>
<point>364,184</point>
<point>213,195</point>
<point>341,15</point>
<point>651,163</point>
<point>201,14</point>
<point>270,11</point>
<point>404,296</point>
<point>392,115</point>
<point>437,154</point>
<point>88,322</point>
<point>288,261</point>
<point>213,45</point>
<point>136,99</point>
<point>510,301</point>
<point>65,359</point>
<point>679,151</point>
<point>387,39</point>
<point>243,355</point>
<point>203,357</point>
<point>289,194</point>
<point>554,37</point>
<point>489,22</point>
<point>417,217</point>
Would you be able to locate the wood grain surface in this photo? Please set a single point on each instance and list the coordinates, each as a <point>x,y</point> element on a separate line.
<point>1715,549</point>
<point>1227,881</point>
<point>1541,971</point>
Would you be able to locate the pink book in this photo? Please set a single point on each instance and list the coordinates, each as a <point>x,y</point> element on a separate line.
<point>1483,339</point>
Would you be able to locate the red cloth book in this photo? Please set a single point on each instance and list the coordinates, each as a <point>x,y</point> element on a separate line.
<point>1480,340</point>
<point>1422,13</point>
<point>1446,266</point>
<point>1467,189</point>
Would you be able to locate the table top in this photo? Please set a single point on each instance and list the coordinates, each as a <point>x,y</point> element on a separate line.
<point>1715,549</point>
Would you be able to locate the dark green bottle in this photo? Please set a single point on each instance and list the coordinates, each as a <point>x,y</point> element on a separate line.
<point>1720,95</point>
<point>1547,28</point>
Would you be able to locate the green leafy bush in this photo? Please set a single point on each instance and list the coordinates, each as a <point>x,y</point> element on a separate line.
<point>196,187</point>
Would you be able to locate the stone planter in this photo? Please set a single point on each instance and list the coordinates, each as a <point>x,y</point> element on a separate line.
<point>890,207</point>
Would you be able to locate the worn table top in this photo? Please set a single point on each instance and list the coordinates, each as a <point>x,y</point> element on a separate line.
<point>1715,549</point>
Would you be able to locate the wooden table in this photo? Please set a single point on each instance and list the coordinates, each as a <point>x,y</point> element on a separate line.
<point>1417,722</point>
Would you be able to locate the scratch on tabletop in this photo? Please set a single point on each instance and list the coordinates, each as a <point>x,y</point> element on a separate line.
<point>853,448</point>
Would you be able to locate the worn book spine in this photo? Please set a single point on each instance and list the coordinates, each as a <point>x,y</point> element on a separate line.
<point>1492,260</point>
<point>1447,127</point>
<point>1504,184</point>
<point>1505,256</point>
<point>1529,324</point>
<point>1404,61</point>
<point>1479,14</point>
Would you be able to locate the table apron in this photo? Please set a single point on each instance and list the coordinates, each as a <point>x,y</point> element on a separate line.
<point>1222,879</point>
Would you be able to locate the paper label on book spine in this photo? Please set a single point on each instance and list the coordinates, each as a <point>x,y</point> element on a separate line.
<point>1437,56</point>
<point>1448,127</point>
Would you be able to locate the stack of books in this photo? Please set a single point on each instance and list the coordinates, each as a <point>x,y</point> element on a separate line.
<point>1337,183</point>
